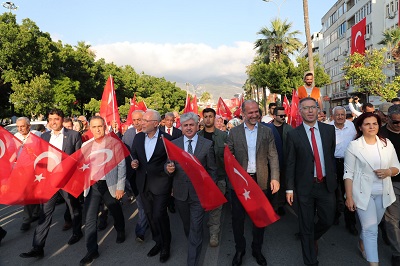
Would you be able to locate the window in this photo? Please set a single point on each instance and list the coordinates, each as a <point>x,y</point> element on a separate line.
<point>368,28</point>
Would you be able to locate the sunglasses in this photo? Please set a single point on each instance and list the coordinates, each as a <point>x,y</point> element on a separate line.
<point>394,122</point>
<point>282,116</point>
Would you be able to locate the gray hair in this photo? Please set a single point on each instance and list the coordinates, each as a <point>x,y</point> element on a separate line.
<point>26,119</point>
<point>138,111</point>
<point>394,110</point>
<point>247,102</point>
<point>187,116</point>
<point>170,114</point>
<point>156,115</point>
<point>337,108</point>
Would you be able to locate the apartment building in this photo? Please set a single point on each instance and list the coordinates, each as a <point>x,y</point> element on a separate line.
<point>336,32</point>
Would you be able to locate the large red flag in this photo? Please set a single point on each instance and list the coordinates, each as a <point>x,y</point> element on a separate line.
<point>209,194</point>
<point>249,193</point>
<point>109,106</point>
<point>135,106</point>
<point>238,111</point>
<point>9,146</point>
<point>286,105</point>
<point>223,110</point>
<point>90,163</point>
<point>358,37</point>
<point>32,180</point>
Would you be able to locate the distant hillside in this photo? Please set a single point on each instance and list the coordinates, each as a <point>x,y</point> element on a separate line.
<point>225,87</point>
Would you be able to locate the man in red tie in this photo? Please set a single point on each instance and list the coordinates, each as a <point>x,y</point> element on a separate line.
<point>311,175</point>
<point>169,126</point>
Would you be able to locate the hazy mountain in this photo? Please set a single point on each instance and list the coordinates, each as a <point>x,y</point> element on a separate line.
<point>223,86</point>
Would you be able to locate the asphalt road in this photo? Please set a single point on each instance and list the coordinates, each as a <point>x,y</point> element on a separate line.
<point>337,247</point>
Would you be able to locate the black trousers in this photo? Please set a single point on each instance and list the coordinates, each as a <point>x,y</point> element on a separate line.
<point>324,202</point>
<point>238,217</point>
<point>349,217</point>
<point>155,207</point>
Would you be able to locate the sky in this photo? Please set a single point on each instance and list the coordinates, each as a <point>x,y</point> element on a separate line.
<point>188,39</point>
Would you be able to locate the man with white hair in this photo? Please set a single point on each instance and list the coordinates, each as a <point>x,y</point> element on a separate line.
<point>31,211</point>
<point>186,199</point>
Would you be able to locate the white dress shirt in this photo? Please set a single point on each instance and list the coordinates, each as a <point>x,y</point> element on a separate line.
<point>343,137</point>
<point>251,140</point>
<point>57,140</point>
<point>150,145</point>
<point>194,142</point>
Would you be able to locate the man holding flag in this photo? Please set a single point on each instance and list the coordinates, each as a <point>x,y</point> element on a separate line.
<point>186,199</point>
<point>253,146</point>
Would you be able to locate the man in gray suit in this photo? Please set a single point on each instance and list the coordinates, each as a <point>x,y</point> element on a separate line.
<point>68,141</point>
<point>253,146</point>
<point>108,189</point>
<point>186,199</point>
<point>311,174</point>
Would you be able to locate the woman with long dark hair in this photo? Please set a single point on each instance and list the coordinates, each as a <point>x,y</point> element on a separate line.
<point>369,162</point>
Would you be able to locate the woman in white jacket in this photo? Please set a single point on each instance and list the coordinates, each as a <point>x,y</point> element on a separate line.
<point>369,162</point>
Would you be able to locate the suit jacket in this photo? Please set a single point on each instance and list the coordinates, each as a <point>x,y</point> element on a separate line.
<point>359,168</point>
<point>204,152</point>
<point>150,174</point>
<point>176,132</point>
<point>266,153</point>
<point>71,143</point>
<point>300,159</point>
<point>127,139</point>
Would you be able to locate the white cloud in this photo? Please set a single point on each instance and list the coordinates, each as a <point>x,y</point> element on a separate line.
<point>188,60</point>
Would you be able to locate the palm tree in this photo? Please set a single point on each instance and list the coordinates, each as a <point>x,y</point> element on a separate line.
<point>277,41</point>
<point>391,38</point>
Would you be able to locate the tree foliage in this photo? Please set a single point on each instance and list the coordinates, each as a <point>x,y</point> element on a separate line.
<point>37,73</point>
<point>366,72</point>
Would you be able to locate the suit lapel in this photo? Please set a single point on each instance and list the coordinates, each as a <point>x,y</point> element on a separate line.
<point>260,131</point>
<point>304,138</point>
<point>242,137</point>
<point>199,144</point>
<point>65,139</point>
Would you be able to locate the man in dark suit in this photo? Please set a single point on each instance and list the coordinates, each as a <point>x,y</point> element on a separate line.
<point>186,200</point>
<point>154,184</point>
<point>253,146</point>
<point>169,128</point>
<point>68,141</point>
<point>129,136</point>
<point>311,174</point>
<point>169,119</point>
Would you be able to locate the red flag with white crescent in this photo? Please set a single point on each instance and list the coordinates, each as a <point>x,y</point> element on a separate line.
<point>109,107</point>
<point>223,109</point>
<point>209,194</point>
<point>32,180</point>
<point>9,146</point>
<point>358,37</point>
<point>90,163</point>
<point>249,193</point>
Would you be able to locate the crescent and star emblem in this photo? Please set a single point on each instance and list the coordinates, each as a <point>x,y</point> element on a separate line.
<point>108,152</point>
<point>239,174</point>
<point>50,167</point>
<point>246,194</point>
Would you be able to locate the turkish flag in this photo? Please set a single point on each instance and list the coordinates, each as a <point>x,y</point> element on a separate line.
<point>249,193</point>
<point>32,180</point>
<point>135,106</point>
<point>238,111</point>
<point>188,105</point>
<point>209,194</point>
<point>223,110</point>
<point>109,106</point>
<point>286,105</point>
<point>90,163</point>
<point>9,146</point>
<point>195,108</point>
<point>358,37</point>
<point>295,117</point>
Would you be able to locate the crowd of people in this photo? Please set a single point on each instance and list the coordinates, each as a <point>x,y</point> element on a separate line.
<point>320,168</point>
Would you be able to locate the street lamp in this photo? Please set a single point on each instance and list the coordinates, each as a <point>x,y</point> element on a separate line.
<point>10,6</point>
<point>278,6</point>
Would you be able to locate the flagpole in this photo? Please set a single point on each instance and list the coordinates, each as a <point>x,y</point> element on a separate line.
<point>112,89</point>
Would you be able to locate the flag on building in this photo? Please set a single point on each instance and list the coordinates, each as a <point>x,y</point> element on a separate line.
<point>358,37</point>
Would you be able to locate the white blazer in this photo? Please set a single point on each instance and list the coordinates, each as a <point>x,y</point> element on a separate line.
<point>360,170</point>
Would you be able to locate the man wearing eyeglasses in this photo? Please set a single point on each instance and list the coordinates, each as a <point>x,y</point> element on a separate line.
<point>153,183</point>
<point>311,175</point>
<point>279,122</point>
<point>392,214</point>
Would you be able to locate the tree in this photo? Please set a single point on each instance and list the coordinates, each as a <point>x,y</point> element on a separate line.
<point>93,106</point>
<point>321,78</point>
<point>366,72</point>
<point>205,97</point>
<point>391,38</point>
<point>277,41</point>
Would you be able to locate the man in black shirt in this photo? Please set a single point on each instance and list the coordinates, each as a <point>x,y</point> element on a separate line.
<point>392,215</point>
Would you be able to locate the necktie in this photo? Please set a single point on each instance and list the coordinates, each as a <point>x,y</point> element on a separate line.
<point>169,131</point>
<point>316,156</point>
<point>190,148</point>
